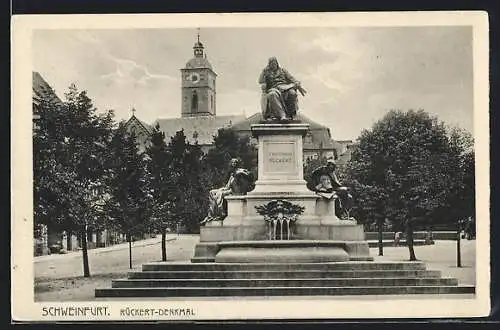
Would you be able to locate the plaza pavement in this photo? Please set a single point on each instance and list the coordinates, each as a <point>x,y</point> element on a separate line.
<point>59,277</point>
<point>440,256</point>
<point>98,251</point>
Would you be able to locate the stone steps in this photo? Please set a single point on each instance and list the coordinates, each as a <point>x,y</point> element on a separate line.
<point>258,274</point>
<point>350,265</point>
<point>163,279</point>
<point>279,291</point>
<point>281,282</point>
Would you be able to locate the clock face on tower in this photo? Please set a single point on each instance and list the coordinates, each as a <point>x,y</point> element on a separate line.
<point>194,77</point>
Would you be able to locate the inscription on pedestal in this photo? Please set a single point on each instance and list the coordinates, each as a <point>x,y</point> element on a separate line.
<point>279,158</point>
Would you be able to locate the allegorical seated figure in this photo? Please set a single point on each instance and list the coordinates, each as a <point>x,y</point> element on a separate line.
<point>326,184</point>
<point>279,92</point>
<point>240,182</point>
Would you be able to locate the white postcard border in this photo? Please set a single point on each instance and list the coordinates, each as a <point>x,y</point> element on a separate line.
<point>22,297</point>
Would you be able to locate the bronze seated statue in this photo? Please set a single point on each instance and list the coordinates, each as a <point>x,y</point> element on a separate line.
<point>279,92</point>
<point>240,182</point>
<point>325,183</point>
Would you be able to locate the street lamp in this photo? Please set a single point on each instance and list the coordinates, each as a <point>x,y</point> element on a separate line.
<point>459,230</point>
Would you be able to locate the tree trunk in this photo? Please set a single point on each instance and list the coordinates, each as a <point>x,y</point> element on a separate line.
<point>129,238</point>
<point>85,254</point>
<point>69,240</point>
<point>409,240</point>
<point>380,238</point>
<point>459,254</point>
<point>164,244</point>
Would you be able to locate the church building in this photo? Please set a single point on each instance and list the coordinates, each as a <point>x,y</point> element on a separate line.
<point>200,121</point>
<point>198,106</point>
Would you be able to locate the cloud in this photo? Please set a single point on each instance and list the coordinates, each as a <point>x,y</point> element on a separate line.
<point>352,75</point>
<point>337,58</point>
<point>128,71</point>
<point>240,101</point>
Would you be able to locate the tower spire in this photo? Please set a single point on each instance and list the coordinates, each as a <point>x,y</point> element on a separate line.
<point>198,46</point>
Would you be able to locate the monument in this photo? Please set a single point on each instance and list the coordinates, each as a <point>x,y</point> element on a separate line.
<point>279,92</point>
<point>277,237</point>
<point>281,220</point>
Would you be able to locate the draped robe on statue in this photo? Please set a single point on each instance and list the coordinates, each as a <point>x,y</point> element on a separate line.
<point>279,98</point>
<point>327,185</point>
<point>240,182</point>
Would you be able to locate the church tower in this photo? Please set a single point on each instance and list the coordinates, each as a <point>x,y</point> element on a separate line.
<point>198,85</point>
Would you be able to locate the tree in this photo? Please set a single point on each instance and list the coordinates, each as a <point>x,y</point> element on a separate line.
<point>228,145</point>
<point>158,162</point>
<point>129,199</point>
<point>48,146</point>
<point>70,148</point>
<point>404,158</point>
<point>86,148</point>
<point>186,191</point>
<point>177,187</point>
<point>460,202</point>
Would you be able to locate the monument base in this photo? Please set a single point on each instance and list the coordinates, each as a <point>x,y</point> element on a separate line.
<point>318,235</point>
<point>279,254</point>
<point>303,231</point>
<point>293,251</point>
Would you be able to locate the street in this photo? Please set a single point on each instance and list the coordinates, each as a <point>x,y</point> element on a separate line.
<point>60,277</point>
<point>114,259</point>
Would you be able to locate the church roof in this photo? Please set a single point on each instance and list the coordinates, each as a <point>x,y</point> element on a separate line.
<point>198,63</point>
<point>200,129</point>
<point>320,134</point>
<point>148,128</point>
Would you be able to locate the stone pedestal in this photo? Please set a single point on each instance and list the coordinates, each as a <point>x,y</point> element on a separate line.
<point>280,176</point>
<point>280,158</point>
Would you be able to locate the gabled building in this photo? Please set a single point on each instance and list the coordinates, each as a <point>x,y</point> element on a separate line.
<point>344,151</point>
<point>140,129</point>
<point>197,129</point>
<point>41,90</point>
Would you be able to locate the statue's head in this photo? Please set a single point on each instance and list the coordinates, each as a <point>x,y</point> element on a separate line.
<point>273,63</point>
<point>325,182</point>
<point>330,164</point>
<point>235,162</point>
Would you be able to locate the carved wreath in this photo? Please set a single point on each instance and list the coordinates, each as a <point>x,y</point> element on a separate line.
<point>280,209</point>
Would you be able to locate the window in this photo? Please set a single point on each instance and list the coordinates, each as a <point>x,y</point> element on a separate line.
<point>194,102</point>
<point>211,101</point>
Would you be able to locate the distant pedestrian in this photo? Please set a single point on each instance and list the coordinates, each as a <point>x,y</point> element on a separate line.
<point>428,238</point>
<point>397,238</point>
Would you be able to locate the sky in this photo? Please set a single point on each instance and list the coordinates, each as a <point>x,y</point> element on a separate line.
<point>353,75</point>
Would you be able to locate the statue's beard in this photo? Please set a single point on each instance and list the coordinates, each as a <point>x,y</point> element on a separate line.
<point>271,69</point>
